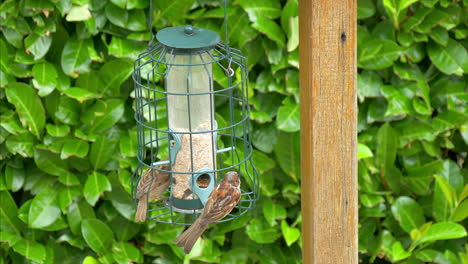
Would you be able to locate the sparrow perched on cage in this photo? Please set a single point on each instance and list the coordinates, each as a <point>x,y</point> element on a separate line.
<point>159,183</point>
<point>220,203</point>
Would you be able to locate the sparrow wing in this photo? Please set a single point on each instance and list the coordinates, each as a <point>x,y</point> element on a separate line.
<point>220,203</point>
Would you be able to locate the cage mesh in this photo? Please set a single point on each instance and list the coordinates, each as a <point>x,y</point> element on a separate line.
<point>225,136</point>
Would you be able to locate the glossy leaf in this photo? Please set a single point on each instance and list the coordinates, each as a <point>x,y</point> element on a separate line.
<point>126,252</point>
<point>378,54</point>
<point>31,250</point>
<point>288,118</point>
<point>80,95</point>
<point>287,152</point>
<point>408,213</point>
<point>273,212</point>
<point>28,106</point>
<point>270,29</point>
<point>95,185</point>
<point>45,78</point>
<point>75,56</point>
<point>74,147</point>
<point>8,212</point>
<point>97,235</point>
<point>267,8</point>
<point>261,233</point>
<point>290,234</point>
<point>44,209</point>
<point>450,61</point>
<point>113,74</point>
<point>79,13</point>
<point>102,151</point>
<point>442,231</point>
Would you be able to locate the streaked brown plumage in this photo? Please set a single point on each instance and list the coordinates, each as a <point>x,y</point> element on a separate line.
<point>220,203</point>
<point>159,183</point>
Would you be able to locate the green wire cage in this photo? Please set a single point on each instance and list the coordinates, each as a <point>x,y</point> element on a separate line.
<point>192,115</point>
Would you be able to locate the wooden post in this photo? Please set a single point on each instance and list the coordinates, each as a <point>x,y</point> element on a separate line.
<point>327,49</point>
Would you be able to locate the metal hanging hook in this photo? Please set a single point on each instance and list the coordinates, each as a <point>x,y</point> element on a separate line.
<point>229,70</point>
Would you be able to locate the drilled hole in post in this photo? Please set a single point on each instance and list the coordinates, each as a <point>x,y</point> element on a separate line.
<point>203,181</point>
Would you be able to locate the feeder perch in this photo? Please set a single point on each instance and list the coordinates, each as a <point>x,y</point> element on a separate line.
<point>177,99</point>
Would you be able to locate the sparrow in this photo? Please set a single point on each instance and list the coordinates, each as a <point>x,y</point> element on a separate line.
<point>159,182</point>
<point>220,203</point>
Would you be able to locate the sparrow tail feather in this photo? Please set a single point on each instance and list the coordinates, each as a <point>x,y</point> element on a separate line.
<point>190,236</point>
<point>140,215</point>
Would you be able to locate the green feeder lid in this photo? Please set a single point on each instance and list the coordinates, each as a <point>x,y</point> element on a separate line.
<point>187,37</point>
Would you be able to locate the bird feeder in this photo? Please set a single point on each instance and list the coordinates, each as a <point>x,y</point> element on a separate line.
<point>192,115</point>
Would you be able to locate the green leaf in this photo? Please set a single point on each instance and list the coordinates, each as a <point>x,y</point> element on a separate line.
<point>80,95</point>
<point>116,15</point>
<point>443,201</point>
<point>120,198</point>
<point>114,110</point>
<point>378,54</point>
<point>264,138</point>
<point>8,214</point>
<point>95,185</point>
<point>408,213</point>
<point>31,250</point>
<point>270,29</point>
<point>37,45</point>
<point>440,35</point>
<point>442,231</point>
<point>126,252</point>
<point>123,48</point>
<point>68,111</point>
<point>52,164</point>
<point>398,252</point>
<point>79,13</point>
<point>56,130</point>
<point>14,176</point>
<point>162,234</point>
<point>66,196</point>
<point>240,32</point>
<point>102,151</point>
<point>75,56</point>
<point>273,211</point>
<point>97,235</point>
<point>288,118</point>
<point>364,151</point>
<point>461,212</point>
<point>44,210</point>
<point>452,60</point>
<point>28,106</point>
<point>74,147</point>
<point>387,144</point>
<point>45,78</point>
<point>261,233</point>
<point>290,234</point>
<point>448,120</point>
<point>366,8</point>
<point>113,74</point>
<point>79,211</point>
<point>268,8</point>
<point>369,84</point>
<point>288,154</point>
<point>129,229</point>
<point>293,34</point>
<point>133,19</point>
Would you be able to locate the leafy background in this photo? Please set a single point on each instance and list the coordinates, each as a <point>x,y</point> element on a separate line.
<point>67,134</point>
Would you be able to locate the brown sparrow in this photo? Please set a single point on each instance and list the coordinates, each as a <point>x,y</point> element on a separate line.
<point>219,204</point>
<point>159,183</point>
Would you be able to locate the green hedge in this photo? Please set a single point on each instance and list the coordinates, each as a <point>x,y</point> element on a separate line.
<point>68,138</point>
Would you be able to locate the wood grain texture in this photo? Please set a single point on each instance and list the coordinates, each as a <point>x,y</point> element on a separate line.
<point>327,49</point>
